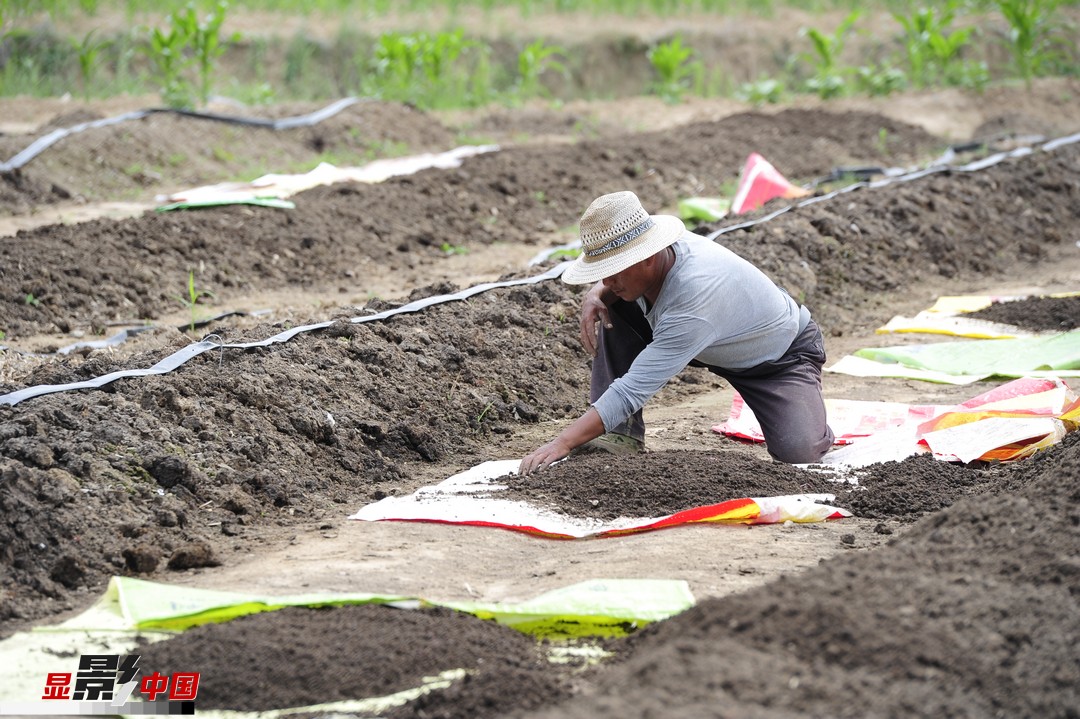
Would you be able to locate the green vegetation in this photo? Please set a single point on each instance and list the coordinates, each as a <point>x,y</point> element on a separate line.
<point>449,249</point>
<point>180,49</point>
<point>671,61</point>
<point>88,50</point>
<point>935,52</point>
<point>487,408</point>
<point>766,90</point>
<point>1038,42</point>
<point>380,8</point>
<point>570,253</point>
<point>536,59</point>
<point>828,80</point>
<point>426,69</point>
<point>187,42</point>
<point>192,299</point>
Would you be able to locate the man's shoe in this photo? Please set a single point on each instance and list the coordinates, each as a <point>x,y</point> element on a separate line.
<point>612,443</point>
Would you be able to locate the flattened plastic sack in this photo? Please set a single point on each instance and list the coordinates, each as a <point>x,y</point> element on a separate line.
<point>988,358</point>
<point>597,607</point>
<point>704,209</point>
<point>471,497</point>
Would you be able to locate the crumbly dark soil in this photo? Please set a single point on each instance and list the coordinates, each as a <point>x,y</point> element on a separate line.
<point>1046,314</point>
<point>662,483</point>
<point>338,234</point>
<point>166,475</point>
<point>948,620</point>
<point>293,657</point>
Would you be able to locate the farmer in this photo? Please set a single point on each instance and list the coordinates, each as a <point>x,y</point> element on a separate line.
<point>665,298</point>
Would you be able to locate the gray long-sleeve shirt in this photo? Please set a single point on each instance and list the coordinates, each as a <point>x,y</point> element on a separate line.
<point>715,307</point>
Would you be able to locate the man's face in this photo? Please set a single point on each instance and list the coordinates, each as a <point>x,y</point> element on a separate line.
<point>632,282</point>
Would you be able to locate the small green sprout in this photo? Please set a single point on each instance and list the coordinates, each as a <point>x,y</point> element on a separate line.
<point>449,249</point>
<point>193,297</point>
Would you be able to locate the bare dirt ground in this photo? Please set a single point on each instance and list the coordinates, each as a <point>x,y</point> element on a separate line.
<point>237,470</point>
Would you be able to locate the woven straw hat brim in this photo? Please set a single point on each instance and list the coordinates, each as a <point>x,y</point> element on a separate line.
<point>666,230</point>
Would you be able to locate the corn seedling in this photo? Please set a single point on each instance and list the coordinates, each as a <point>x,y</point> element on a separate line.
<point>299,56</point>
<point>192,300</point>
<point>536,59</point>
<point>206,43</point>
<point>880,80</point>
<point>1033,39</point>
<point>439,53</point>
<point>946,53</point>
<point>166,53</point>
<point>883,140</point>
<point>766,90</point>
<point>186,41</point>
<point>671,61</point>
<point>917,29</point>
<point>933,52</point>
<point>828,80</point>
<point>396,58</point>
<point>88,50</point>
<point>480,86</point>
<point>441,70</point>
<point>417,67</point>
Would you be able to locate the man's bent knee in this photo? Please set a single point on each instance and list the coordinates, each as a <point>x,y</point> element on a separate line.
<point>799,450</point>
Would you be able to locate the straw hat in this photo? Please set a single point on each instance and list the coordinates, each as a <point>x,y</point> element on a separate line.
<point>617,232</point>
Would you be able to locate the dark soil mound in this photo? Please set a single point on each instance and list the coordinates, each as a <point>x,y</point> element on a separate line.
<point>1045,314</point>
<point>148,473</point>
<point>166,150</point>
<point>298,657</point>
<point>833,255</point>
<point>949,619</point>
<point>340,233</point>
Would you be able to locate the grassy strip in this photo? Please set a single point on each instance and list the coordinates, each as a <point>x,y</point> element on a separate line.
<point>391,8</point>
<point>183,57</point>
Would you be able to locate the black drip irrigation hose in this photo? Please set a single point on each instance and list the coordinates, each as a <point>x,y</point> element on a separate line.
<point>946,158</point>
<point>195,349</point>
<point>894,175</point>
<point>864,174</point>
<point>286,123</point>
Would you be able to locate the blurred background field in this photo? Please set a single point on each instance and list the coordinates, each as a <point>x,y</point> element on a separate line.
<point>455,54</point>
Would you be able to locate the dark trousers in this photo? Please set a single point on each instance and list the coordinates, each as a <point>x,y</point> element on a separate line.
<point>785,394</point>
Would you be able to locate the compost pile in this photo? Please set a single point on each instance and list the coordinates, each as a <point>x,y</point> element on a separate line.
<point>162,475</point>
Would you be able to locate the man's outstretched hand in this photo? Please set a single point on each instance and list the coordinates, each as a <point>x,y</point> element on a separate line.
<point>587,426</point>
<point>553,451</point>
